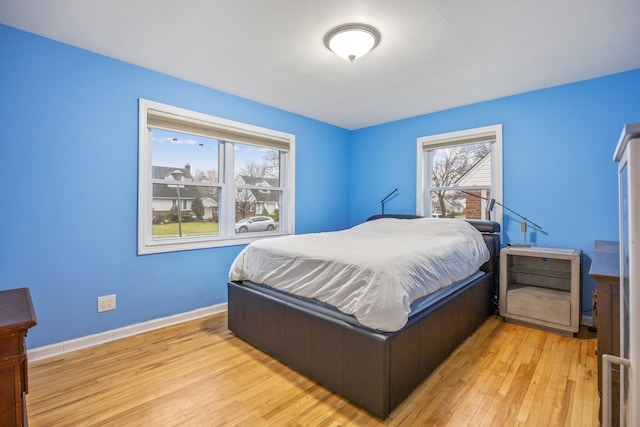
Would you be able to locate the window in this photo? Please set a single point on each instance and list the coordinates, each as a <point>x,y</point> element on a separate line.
<point>200,175</point>
<point>459,173</point>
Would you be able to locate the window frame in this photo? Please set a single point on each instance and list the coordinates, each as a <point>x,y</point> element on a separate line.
<point>232,132</point>
<point>456,138</point>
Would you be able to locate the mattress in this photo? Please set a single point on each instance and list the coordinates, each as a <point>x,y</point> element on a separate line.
<point>373,271</point>
<point>328,310</point>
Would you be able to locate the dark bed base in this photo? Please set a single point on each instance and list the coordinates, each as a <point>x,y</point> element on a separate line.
<point>374,370</point>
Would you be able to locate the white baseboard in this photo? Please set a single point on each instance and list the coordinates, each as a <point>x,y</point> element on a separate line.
<point>56,349</point>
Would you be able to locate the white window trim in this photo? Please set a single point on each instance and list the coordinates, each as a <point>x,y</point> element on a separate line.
<point>423,203</point>
<point>227,236</point>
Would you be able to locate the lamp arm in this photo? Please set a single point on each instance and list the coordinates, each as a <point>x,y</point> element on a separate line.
<point>514,212</point>
<point>383,201</point>
<point>388,195</point>
<point>500,204</point>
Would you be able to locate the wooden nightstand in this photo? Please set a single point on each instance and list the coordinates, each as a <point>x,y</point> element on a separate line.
<point>540,287</point>
<point>16,317</point>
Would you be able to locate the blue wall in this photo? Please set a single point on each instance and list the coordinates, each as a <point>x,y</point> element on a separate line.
<point>69,147</point>
<point>69,125</point>
<point>558,170</point>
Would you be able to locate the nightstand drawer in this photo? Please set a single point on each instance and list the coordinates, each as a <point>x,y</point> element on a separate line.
<point>550,305</point>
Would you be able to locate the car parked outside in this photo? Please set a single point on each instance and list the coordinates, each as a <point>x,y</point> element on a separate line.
<point>255,223</point>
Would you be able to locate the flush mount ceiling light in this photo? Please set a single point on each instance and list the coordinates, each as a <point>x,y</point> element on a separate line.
<point>351,41</point>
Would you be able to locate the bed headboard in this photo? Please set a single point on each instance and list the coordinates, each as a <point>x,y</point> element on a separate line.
<point>490,232</point>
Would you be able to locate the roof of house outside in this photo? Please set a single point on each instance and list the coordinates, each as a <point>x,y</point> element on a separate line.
<point>262,196</point>
<point>479,174</point>
<point>168,191</point>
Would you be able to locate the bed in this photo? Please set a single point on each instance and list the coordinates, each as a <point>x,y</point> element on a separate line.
<point>376,369</point>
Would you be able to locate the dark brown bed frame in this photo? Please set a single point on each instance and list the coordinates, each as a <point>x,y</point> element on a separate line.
<point>374,370</point>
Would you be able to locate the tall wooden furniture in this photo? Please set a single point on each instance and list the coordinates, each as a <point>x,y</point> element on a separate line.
<point>16,317</point>
<point>627,154</point>
<point>540,287</point>
<point>605,269</point>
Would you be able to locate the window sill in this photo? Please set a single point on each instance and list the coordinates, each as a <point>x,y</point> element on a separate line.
<point>175,245</point>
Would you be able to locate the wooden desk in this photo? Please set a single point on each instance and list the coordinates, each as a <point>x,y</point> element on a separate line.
<point>605,269</point>
<point>16,317</point>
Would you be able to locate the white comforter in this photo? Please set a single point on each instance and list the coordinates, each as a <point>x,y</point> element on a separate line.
<point>373,271</point>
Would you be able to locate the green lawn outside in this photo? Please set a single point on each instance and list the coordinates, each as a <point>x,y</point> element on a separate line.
<point>191,228</point>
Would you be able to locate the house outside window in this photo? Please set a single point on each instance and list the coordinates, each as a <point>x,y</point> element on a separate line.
<point>459,173</point>
<point>212,168</point>
<point>257,196</point>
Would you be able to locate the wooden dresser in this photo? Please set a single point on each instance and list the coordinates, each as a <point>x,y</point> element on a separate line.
<point>605,269</point>
<point>16,317</point>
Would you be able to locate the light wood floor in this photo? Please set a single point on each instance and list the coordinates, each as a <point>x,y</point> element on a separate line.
<point>199,374</point>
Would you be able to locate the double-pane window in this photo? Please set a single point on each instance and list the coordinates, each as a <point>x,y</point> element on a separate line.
<point>202,177</point>
<point>459,174</point>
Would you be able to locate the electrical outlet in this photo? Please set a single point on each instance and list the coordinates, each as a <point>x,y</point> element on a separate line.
<point>106,303</point>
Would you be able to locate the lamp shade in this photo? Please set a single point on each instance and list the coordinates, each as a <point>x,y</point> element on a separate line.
<point>352,41</point>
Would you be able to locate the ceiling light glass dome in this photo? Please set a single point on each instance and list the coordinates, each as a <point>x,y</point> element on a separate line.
<point>352,41</point>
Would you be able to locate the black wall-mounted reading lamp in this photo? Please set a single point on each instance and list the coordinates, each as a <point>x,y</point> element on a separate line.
<point>523,224</point>
<point>383,201</point>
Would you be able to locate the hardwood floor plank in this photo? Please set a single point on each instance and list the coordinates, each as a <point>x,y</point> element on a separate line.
<point>199,374</point>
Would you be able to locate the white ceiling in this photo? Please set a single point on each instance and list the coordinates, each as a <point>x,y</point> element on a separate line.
<point>434,54</point>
